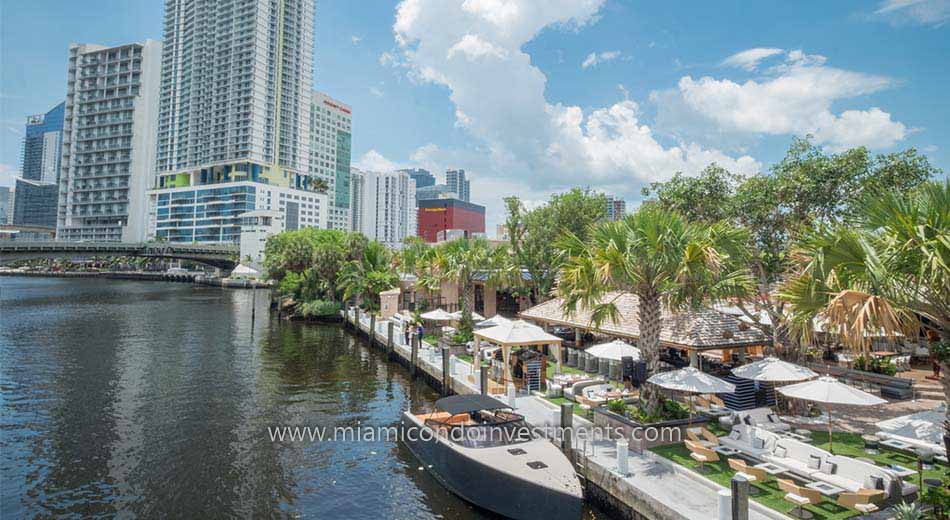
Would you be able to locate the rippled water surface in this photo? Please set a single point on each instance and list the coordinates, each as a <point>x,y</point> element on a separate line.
<point>154,399</point>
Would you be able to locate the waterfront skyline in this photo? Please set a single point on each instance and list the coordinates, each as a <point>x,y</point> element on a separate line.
<point>656,90</point>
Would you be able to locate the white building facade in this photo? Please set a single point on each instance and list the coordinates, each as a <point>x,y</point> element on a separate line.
<point>330,139</point>
<point>383,206</point>
<point>235,115</point>
<point>108,144</point>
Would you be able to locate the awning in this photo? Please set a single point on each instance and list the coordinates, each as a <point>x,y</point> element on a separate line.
<point>456,404</point>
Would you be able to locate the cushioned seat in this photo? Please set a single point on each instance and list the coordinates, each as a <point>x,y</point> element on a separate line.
<point>743,438</point>
<point>798,457</point>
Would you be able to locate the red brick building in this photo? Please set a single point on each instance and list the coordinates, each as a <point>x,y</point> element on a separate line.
<point>451,217</point>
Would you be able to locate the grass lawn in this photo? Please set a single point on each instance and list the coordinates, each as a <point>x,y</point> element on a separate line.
<point>847,444</point>
<point>465,357</point>
<point>558,400</point>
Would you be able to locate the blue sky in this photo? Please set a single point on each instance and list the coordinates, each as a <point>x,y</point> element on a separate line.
<point>536,96</point>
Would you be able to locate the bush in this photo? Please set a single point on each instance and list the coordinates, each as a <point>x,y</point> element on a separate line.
<point>875,365</point>
<point>617,406</point>
<point>320,309</point>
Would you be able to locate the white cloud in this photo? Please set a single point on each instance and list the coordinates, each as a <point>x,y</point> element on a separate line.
<point>593,59</point>
<point>749,59</point>
<point>376,91</point>
<point>920,12</point>
<point>374,161</point>
<point>356,40</point>
<point>794,98</point>
<point>930,148</point>
<point>474,48</point>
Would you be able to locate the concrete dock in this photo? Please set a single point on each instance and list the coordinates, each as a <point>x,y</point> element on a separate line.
<point>652,488</point>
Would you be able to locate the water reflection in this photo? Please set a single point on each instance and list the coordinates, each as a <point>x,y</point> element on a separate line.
<point>154,399</point>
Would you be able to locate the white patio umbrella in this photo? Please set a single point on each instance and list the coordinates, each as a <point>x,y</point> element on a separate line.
<point>615,350</point>
<point>692,381</point>
<point>774,370</point>
<point>437,315</point>
<point>830,392</point>
<point>494,321</point>
<point>457,315</point>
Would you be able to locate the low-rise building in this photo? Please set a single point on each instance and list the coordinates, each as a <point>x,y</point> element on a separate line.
<point>450,217</point>
<point>212,213</point>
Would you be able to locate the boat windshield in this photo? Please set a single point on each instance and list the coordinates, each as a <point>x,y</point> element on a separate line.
<point>483,429</point>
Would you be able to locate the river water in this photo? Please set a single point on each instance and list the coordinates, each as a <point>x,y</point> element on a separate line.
<point>154,399</point>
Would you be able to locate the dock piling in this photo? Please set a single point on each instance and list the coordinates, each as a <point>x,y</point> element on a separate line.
<point>414,357</point>
<point>740,497</point>
<point>372,329</point>
<point>389,339</point>
<point>483,378</point>
<point>446,370</point>
<point>567,421</point>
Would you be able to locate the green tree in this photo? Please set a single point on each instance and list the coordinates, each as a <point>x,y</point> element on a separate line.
<point>808,186</point>
<point>367,277</point>
<point>878,274</point>
<point>660,257</point>
<point>459,261</point>
<point>533,234</point>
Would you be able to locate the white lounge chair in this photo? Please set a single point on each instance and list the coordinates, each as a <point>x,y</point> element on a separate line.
<point>763,418</point>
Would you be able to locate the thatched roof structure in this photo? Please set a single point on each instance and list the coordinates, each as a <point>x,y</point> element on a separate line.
<point>702,329</point>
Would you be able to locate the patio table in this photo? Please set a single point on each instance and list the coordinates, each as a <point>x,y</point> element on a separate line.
<point>825,488</point>
<point>884,353</point>
<point>901,471</point>
<point>770,468</point>
<point>727,451</point>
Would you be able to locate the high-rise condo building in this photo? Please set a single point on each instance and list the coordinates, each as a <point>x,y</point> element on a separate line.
<point>234,118</point>
<point>6,206</point>
<point>108,150</point>
<point>455,180</point>
<point>616,208</point>
<point>422,177</point>
<point>42,145</point>
<point>35,203</point>
<point>330,136</point>
<point>383,205</point>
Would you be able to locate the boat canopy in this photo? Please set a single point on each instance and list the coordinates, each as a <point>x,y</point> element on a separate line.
<point>456,404</point>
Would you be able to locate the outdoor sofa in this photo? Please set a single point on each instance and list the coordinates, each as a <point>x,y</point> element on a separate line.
<point>812,463</point>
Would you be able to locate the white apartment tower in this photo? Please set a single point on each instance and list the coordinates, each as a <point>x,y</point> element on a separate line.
<point>108,149</point>
<point>330,137</point>
<point>383,206</point>
<point>234,118</point>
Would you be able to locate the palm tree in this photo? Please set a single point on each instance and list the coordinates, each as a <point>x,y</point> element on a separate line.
<point>459,261</point>
<point>662,259</point>
<point>369,276</point>
<point>881,276</point>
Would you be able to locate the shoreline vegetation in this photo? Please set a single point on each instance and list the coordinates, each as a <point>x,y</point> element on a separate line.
<point>858,242</point>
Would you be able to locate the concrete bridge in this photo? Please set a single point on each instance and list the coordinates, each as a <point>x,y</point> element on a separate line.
<point>224,256</point>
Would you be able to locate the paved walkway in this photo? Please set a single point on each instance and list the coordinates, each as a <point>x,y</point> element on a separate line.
<point>684,492</point>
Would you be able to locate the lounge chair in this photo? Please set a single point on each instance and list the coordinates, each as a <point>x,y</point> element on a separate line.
<point>750,473</point>
<point>701,435</point>
<point>800,496</point>
<point>863,500</point>
<point>701,454</point>
<point>761,418</point>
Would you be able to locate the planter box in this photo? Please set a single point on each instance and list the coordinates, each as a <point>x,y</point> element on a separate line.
<point>455,349</point>
<point>662,433</point>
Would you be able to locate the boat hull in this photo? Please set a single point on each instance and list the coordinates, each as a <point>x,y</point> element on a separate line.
<point>485,486</point>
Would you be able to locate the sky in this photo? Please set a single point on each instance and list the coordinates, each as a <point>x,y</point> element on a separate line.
<point>535,97</point>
